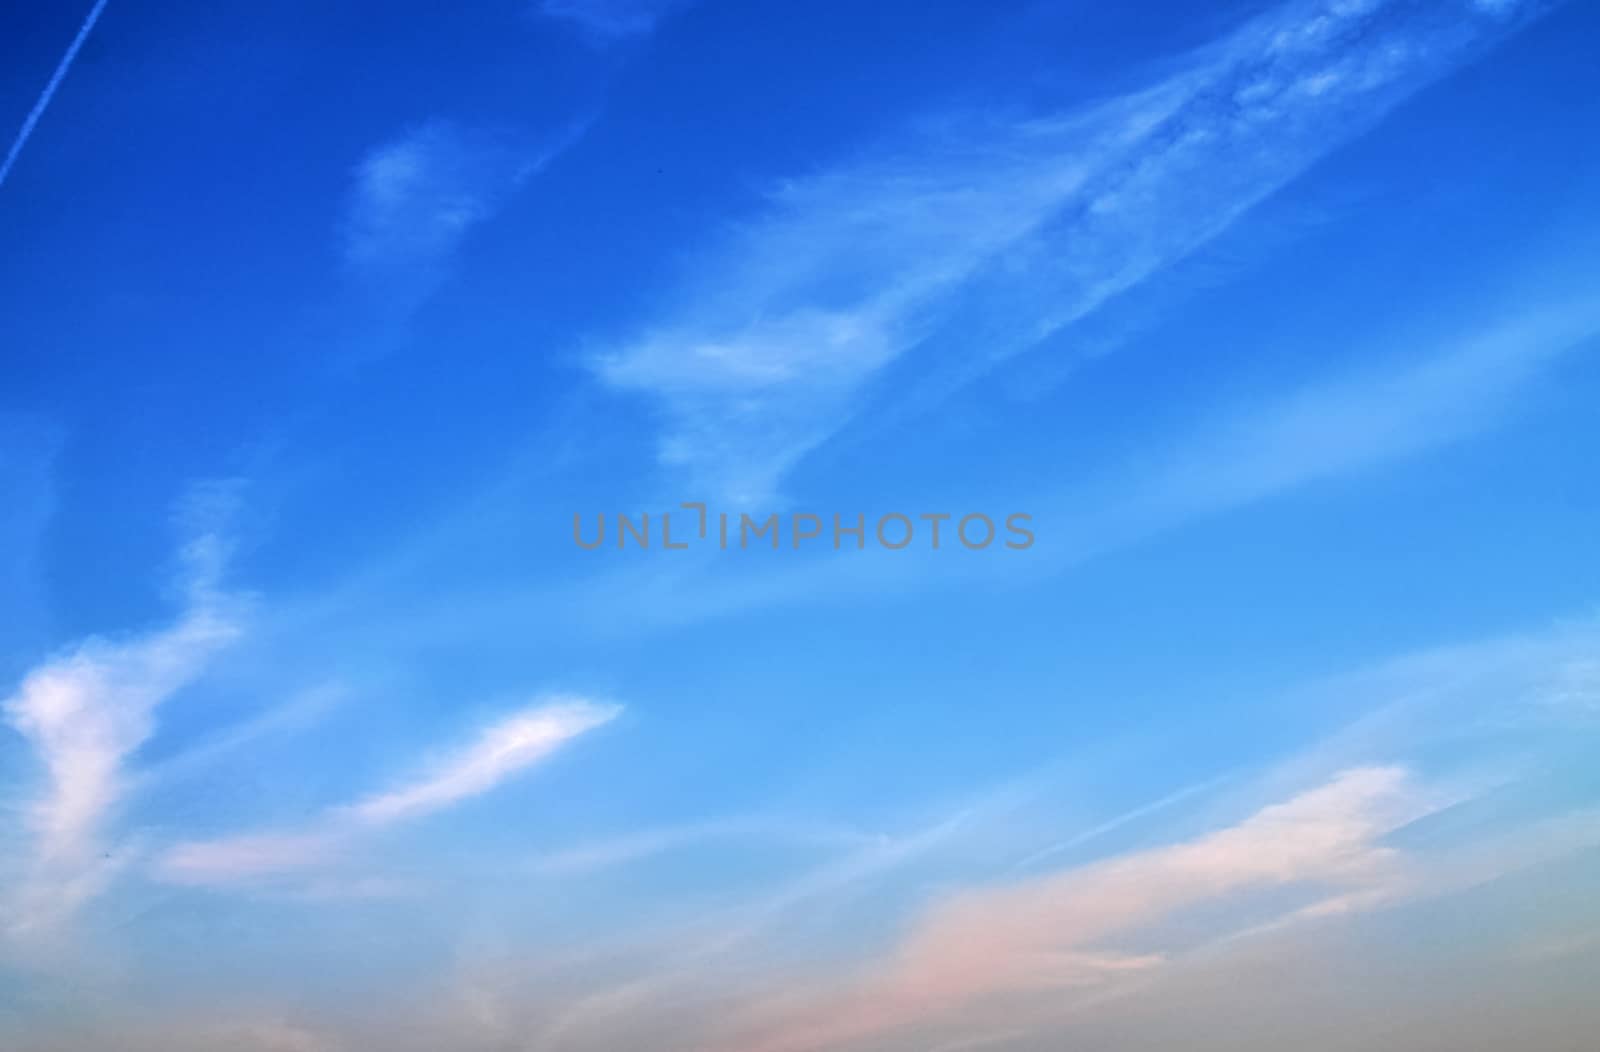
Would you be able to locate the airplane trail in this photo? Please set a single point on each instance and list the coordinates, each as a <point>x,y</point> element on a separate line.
<point>50,90</point>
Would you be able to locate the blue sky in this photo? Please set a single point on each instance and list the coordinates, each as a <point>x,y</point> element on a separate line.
<point>322,323</point>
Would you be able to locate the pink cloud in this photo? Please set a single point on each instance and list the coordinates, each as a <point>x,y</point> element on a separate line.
<point>979,949</point>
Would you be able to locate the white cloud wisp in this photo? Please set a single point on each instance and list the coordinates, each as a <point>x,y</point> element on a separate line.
<point>1007,231</point>
<point>503,750</point>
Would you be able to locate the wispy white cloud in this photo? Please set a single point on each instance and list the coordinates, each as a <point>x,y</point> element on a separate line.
<point>416,198</point>
<point>245,856</point>
<point>1005,231</point>
<point>607,21</point>
<point>504,749</point>
<point>501,751</point>
<point>649,843</point>
<point>85,712</point>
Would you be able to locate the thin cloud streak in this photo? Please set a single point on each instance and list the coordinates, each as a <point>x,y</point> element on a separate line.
<point>1329,430</point>
<point>49,92</point>
<point>611,21</point>
<point>503,750</point>
<point>649,843</point>
<point>602,1014</point>
<point>1111,825</point>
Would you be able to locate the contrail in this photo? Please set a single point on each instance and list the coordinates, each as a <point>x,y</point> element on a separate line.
<point>50,89</point>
